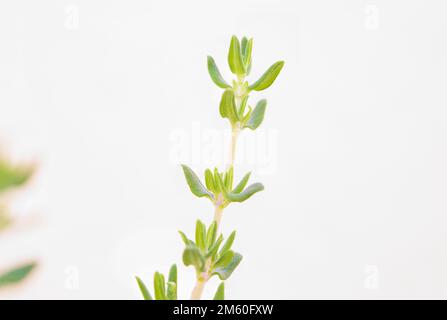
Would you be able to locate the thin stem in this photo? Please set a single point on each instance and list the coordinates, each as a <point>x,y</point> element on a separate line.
<point>218,215</point>
<point>234,136</point>
<point>202,279</point>
<point>198,290</point>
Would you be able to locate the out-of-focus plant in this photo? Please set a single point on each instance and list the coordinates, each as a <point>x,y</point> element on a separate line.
<point>12,177</point>
<point>208,253</point>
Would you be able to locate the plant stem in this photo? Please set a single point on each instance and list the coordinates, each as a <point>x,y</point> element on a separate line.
<point>234,136</point>
<point>218,215</point>
<point>203,279</point>
<point>198,290</point>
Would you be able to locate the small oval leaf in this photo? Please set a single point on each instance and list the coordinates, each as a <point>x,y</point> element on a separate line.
<point>172,291</point>
<point>194,183</point>
<point>241,185</point>
<point>193,257</point>
<point>211,235</point>
<point>11,177</point>
<point>173,274</point>
<point>185,238</point>
<point>159,286</point>
<point>209,181</point>
<point>227,245</point>
<point>200,235</point>
<point>267,79</point>
<point>220,293</point>
<point>16,275</point>
<point>235,59</point>
<point>215,74</point>
<point>244,195</point>
<point>213,250</point>
<point>143,289</point>
<point>227,106</point>
<point>257,115</point>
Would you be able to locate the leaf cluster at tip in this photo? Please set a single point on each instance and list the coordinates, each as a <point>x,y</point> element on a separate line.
<point>219,186</point>
<point>234,105</point>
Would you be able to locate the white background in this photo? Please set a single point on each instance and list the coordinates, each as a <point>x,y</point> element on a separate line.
<point>354,206</point>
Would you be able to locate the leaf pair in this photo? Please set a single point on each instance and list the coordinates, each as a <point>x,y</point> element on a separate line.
<point>220,184</point>
<point>206,253</point>
<point>162,290</point>
<point>239,56</point>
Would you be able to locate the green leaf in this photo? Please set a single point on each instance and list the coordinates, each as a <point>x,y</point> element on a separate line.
<point>227,245</point>
<point>173,274</point>
<point>159,286</point>
<point>244,42</point>
<point>228,181</point>
<point>16,275</point>
<point>247,115</point>
<point>268,77</point>
<point>213,250</point>
<point>200,235</point>
<point>211,235</point>
<point>244,195</point>
<point>218,179</point>
<point>241,185</point>
<point>235,59</point>
<point>220,293</point>
<point>11,177</point>
<point>172,291</point>
<point>143,289</point>
<point>224,259</point>
<point>215,74</point>
<point>193,257</point>
<point>246,48</point>
<point>185,238</point>
<point>257,115</point>
<point>226,265</point>
<point>242,107</point>
<point>217,183</point>
<point>194,183</point>
<point>227,107</point>
<point>209,182</point>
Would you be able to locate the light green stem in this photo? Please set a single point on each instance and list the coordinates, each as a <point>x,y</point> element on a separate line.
<point>234,136</point>
<point>198,290</point>
<point>218,215</point>
<point>203,278</point>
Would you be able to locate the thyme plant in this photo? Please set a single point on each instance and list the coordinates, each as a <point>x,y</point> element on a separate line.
<point>208,253</point>
<point>10,178</point>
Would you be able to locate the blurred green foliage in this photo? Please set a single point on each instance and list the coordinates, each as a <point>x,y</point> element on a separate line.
<point>12,177</point>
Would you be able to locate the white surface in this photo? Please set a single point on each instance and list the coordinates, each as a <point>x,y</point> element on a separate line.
<point>354,143</point>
